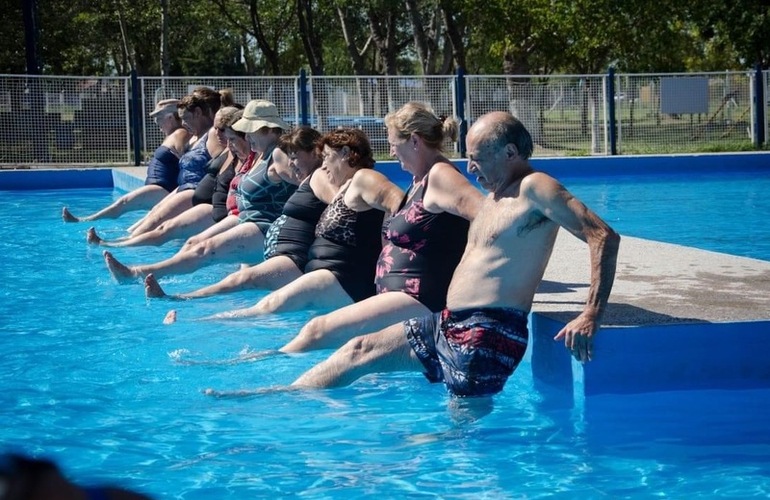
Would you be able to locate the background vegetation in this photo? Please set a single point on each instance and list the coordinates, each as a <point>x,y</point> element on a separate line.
<point>386,37</point>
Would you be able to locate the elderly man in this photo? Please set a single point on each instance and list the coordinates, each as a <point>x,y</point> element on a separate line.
<point>475,344</point>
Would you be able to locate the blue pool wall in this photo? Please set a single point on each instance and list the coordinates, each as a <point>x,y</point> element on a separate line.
<point>653,358</point>
<point>568,167</point>
<point>646,358</point>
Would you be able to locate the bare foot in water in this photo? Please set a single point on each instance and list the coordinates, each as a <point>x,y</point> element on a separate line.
<point>119,271</point>
<point>170,317</point>
<point>152,289</point>
<point>92,237</point>
<point>67,216</point>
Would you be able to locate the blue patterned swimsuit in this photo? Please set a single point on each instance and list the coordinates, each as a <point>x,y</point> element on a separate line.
<point>259,200</point>
<point>192,165</point>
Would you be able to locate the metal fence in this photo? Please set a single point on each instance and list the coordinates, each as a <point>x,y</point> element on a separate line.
<point>565,114</point>
<point>68,120</point>
<point>77,120</point>
<point>684,112</point>
<point>766,94</point>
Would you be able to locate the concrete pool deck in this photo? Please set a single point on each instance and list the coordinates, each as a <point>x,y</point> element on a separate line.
<point>678,318</point>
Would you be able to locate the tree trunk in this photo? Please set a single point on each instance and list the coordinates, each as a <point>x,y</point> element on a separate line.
<point>454,33</point>
<point>164,59</point>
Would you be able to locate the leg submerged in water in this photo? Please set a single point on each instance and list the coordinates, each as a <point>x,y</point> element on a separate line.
<point>247,357</point>
<point>246,393</point>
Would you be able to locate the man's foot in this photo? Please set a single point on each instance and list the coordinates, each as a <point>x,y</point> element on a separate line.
<point>92,237</point>
<point>152,289</point>
<point>67,216</point>
<point>170,317</point>
<point>119,271</point>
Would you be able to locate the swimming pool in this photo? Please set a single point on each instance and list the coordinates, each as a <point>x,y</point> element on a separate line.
<point>93,379</point>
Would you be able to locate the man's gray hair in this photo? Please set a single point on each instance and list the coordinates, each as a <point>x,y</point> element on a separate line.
<point>509,130</point>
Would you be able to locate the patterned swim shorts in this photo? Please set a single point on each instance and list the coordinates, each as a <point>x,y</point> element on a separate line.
<point>472,351</point>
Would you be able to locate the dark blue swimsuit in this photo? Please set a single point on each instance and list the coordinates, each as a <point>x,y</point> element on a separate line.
<point>163,169</point>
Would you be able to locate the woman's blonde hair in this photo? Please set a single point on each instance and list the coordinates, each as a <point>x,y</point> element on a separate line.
<point>420,119</point>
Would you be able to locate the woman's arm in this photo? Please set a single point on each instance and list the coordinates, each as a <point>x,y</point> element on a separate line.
<point>450,191</point>
<point>371,189</point>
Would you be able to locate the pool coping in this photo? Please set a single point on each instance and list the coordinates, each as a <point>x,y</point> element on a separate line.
<point>678,318</point>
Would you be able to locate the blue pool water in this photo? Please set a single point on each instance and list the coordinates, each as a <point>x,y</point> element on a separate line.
<point>93,379</point>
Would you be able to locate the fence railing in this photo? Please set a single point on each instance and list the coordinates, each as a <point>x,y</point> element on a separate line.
<point>91,120</point>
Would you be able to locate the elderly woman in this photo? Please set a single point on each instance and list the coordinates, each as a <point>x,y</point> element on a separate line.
<point>210,196</point>
<point>343,256</point>
<point>425,238</point>
<point>289,237</point>
<point>197,111</point>
<point>162,170</point>
<point>261,194</point>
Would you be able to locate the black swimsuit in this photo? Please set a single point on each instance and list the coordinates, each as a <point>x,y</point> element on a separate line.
<point>421,251</point>
<point>347,244</point>
<point>219,198</point>
<point>294,231</point>
<point>205,188</point>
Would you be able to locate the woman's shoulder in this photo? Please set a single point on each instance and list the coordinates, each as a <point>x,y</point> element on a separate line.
<point>178,141</point>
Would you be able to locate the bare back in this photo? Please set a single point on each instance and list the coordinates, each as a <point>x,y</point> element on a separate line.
<point>509,244</point>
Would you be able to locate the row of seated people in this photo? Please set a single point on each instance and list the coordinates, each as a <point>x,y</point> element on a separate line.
<point>312,216</point>
<point>178,165</point>
<point>324,248</point>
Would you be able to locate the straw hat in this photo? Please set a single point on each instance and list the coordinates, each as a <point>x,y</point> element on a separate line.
<point>165,106</point>
<point>259,114</point>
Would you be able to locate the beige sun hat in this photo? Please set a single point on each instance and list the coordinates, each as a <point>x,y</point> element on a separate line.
<point>165,106</point>
<point>259,114</point>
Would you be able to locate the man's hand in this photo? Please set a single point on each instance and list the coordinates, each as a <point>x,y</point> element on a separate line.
<point>578,336</point>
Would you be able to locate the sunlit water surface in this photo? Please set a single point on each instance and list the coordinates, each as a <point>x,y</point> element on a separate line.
<point>92,378</point>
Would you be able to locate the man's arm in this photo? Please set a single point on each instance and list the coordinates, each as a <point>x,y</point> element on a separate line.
<point>559,205</point>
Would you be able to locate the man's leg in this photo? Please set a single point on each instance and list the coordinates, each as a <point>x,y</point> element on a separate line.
<point>385,351</point>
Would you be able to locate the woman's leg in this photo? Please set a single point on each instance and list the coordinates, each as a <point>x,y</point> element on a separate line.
<point>243,243</point>
<point>189,222</point>
<point>220,227</point>
<point>334,329</point>
<point>270,274</point>
<point>142,198</point>
<point>314,290</point>
<point>171,206</point>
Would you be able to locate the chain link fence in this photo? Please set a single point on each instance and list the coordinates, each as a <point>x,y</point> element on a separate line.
<point>684,112</point>
<point>81,120</point>
<point>70,120</point>
<point>566,115</point>
<point>363,102</point>
<point>766,93</point>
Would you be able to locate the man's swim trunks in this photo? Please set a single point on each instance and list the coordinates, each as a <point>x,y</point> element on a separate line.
<point>473,351</point>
